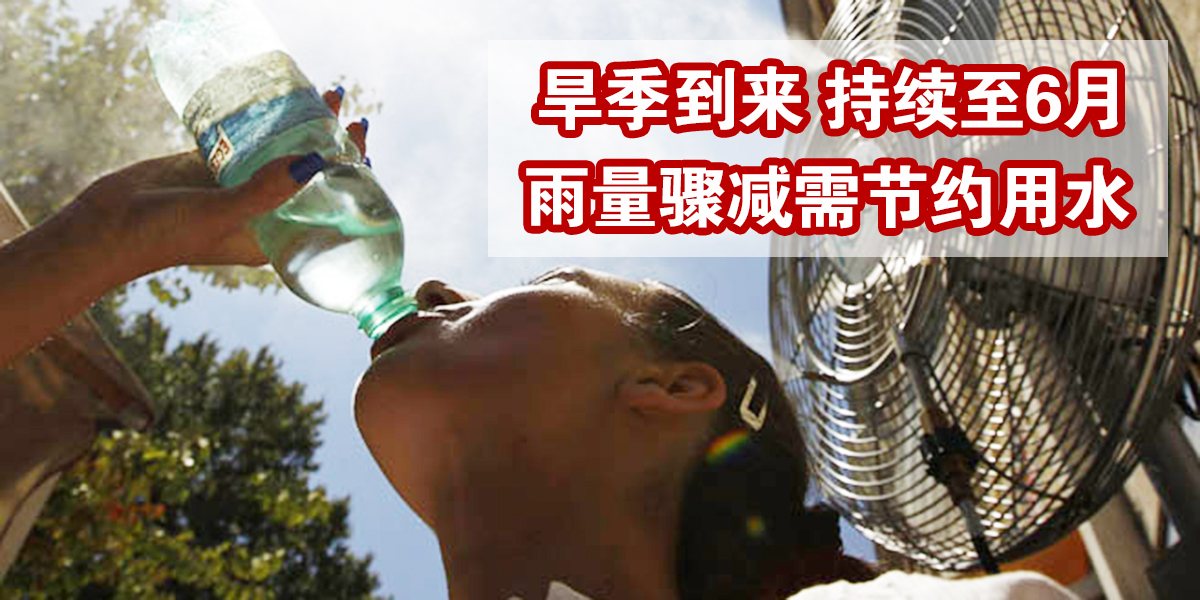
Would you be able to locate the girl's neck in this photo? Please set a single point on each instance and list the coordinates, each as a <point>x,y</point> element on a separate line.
<point>509,542</point>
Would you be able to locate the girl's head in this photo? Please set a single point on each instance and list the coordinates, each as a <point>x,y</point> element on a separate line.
<point>583,389</point>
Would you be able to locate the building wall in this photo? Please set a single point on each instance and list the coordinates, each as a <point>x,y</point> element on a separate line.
<point>1186,16</point>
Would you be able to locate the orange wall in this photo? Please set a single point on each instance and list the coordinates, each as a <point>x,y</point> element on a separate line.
<point>1065,562</point>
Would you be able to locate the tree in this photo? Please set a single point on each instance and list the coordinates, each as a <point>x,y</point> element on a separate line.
<point>213,502</point>
<point>104,534</point>
<point>79,102</point>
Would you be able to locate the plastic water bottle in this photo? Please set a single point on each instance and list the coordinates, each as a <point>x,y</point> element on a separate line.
<point>338,243</point>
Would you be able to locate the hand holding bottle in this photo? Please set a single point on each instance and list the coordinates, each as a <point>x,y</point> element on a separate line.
<point>170,211</point>
<point>148,216</point>
<point>338,243</point>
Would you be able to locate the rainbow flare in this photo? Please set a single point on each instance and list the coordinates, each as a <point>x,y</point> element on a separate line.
<point>727,445</point>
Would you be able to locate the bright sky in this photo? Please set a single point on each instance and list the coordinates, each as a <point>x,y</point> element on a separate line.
<point>427,63</point>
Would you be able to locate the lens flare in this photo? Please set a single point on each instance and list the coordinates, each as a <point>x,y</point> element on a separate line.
<point>755,526</point>
<point>727,445</point>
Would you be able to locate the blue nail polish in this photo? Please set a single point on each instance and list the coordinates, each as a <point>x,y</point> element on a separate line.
<point>365,124</point>
<point>302,169</point>
<point>340,91</point>
<point>367,161</point>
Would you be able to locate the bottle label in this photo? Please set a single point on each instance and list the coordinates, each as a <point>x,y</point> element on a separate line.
<point>221,152</point>
<point>246,105</point>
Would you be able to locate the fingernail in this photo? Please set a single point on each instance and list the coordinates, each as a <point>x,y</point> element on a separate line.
<point>340,91</point>
<point>302,169</point>
<point>365,124</point>
<point>367,161</point>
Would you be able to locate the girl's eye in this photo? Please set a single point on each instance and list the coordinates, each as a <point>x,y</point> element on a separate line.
<point>552,277</point>
<point>544,280</point>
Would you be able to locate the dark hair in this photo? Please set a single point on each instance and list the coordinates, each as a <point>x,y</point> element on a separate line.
<point>745,532</point>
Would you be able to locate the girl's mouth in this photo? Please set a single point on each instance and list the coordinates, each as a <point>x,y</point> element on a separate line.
<point>400,330</point>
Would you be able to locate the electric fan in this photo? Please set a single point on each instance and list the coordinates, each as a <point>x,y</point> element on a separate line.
<point>958,410</point>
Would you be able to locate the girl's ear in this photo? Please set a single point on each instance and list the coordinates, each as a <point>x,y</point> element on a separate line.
<point>673,388</point>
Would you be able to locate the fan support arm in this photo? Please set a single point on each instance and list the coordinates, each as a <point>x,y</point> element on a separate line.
<point>949,455</point>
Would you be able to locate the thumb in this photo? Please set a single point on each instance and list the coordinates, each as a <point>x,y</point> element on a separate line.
<point>274,183</point>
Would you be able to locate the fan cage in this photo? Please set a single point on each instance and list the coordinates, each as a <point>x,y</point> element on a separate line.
<point>1054,368</point>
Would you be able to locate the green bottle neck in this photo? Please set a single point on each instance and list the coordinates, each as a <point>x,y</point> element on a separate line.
<point>377,312</point>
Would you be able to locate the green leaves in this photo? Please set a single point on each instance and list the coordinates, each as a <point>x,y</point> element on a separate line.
<point>215,502</point>
<point>181,511</point>
<point>80,100</point>
<point>109,526</point>
<point>171,297</point>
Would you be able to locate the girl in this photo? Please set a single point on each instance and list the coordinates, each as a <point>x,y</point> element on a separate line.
<point>606,434</point>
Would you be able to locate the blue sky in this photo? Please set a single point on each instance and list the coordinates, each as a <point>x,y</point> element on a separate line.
<point>427,63</point>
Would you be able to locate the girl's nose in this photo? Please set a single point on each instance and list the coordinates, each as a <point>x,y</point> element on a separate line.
<point>433,293</point>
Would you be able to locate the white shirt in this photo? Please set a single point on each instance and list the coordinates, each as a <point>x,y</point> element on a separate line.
<point>897,585</point>
<point>559,591</point>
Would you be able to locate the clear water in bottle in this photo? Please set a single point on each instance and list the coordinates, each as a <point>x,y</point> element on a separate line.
<point>338,243</point>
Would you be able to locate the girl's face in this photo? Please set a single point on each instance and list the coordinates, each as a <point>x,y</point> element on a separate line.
<point>510,380</point>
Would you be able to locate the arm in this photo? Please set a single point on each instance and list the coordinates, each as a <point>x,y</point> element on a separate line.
<point>49,274</point>
<point>148,216</point>
<point>127,224</point>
